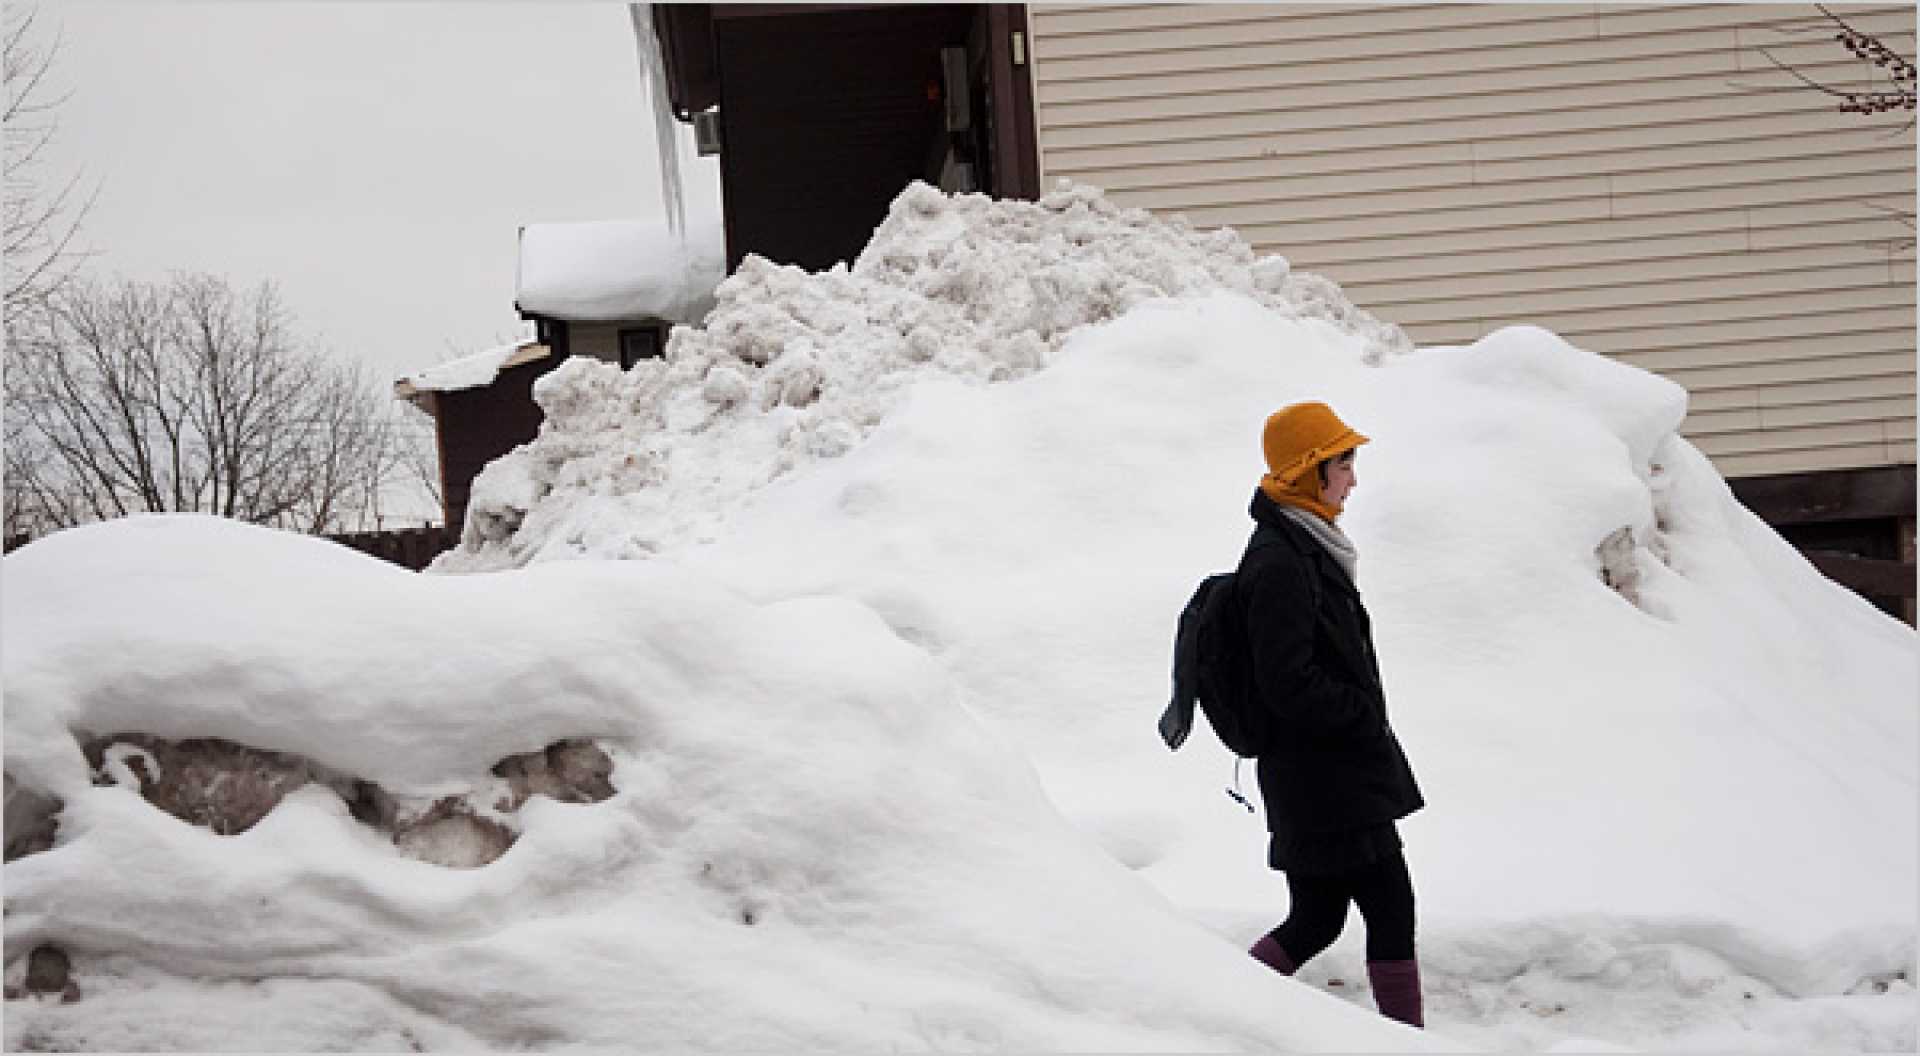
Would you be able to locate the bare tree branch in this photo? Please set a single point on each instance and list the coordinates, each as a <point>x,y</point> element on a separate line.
<point>419,454</point>
<point>185,397</point>
<point>42,223</point>
<point>1894,70</point>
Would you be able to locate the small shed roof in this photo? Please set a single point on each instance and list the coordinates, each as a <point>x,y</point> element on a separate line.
<point>469,372</point>
<point>619,269</point>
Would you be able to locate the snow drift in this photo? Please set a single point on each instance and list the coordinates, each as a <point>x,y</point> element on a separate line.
<point>909,606</point>
<point>1706,731</point>
<point>813,842</point>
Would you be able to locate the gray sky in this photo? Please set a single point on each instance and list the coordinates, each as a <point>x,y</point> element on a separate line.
<point>374,159</point>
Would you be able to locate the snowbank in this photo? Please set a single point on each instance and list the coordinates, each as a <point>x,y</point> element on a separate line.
<point>619,269</point>
<point>1670,768</point>
<point>1628,750</point>
<point>792,366</point>
<point>1686,733</point>
<point>1627,699</point>
<point>813,842</point>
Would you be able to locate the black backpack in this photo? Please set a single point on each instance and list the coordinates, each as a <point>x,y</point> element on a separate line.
<point>1212,667</point>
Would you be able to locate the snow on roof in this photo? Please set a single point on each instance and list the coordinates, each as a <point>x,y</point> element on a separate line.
<point>469,372</point>
<point>620,269</point>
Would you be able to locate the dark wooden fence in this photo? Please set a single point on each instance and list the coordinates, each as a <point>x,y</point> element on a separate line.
<point>1856,526</point>
<point>412,548</point>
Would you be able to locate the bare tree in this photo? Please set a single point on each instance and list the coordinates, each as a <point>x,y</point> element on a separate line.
<point>420,455</point>
<point>187,397</point>
<point>1888,86</point>
<point>42,220</point>
<point>1880,80</point>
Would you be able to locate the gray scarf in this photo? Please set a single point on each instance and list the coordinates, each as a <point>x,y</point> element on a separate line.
<point>1328,535</point>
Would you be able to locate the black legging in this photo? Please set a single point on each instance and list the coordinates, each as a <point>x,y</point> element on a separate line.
<point>1384,892</point>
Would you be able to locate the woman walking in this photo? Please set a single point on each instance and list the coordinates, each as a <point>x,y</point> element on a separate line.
<point>1335,780</point>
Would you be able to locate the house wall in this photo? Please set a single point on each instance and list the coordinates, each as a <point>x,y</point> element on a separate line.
<point>1640,179</point>
<point>476,426</point>
<point>827,113</point>
<point>599,340</point>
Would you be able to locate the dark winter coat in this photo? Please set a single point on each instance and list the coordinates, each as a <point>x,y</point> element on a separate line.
<point>1334,776</point>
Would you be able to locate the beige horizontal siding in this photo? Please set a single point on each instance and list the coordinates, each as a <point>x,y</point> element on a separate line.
<point>1325,122</point>
<point>1810,369</point>
<point>1815,136</point>
<point>1563,293</point>
<point>598,340</point>
<point>1655,78</point>
<point>1105,28</point>
<point>1794,450</point>
<point>1287,62</point>
<point>1848,390</point>
<point>1798,415</point>
<point>1359,39</point>
<point>1173,161</point>
<point>1624,238</point>
<point>1780,355</point>
<point>1662,305</point>
<point>1525,222</point>
<point>1746,181</point>
<point>1738,462</point>
<point>1639,178</point>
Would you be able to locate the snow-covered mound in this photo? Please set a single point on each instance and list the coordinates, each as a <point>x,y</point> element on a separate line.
<point>792,366</point>
<point>811,843</point>
<point>1671,770</point>
<point>1640,748</point>
<point>1645,726</point>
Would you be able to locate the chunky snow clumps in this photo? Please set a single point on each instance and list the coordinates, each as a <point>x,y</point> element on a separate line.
<point>793,366</point>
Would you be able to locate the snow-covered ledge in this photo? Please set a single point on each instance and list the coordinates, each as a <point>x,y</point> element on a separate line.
<point>619,269</point>
<point>469,372</point>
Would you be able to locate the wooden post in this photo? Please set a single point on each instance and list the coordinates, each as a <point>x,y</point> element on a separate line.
<point>1905,528</point>
<point>1016,154</point>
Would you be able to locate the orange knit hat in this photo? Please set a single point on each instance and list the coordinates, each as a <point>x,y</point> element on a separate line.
<point>1296,439</point>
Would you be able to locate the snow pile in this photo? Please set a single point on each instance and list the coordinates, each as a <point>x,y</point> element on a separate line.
<point>791,366</point>
<point>1040,537</point>
<point>883,749</point>
<point>811,842</point>
<point>1644,724</point>
<point>620,269</point>
<point>1694,768</point>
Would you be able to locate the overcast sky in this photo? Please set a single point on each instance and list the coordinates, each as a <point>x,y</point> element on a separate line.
<point>373,159</point>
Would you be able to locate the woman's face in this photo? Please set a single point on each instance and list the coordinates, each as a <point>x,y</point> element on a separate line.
<point>1340,480</point>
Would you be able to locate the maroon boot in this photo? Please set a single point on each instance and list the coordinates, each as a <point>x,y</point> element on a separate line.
<point>1396,990</point>
<point>1268,952</point>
